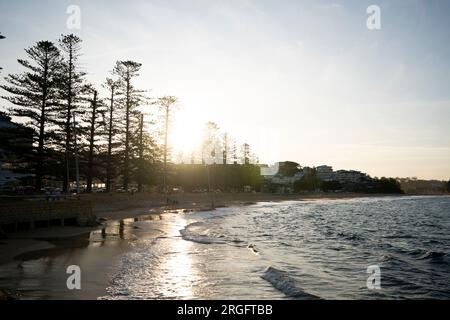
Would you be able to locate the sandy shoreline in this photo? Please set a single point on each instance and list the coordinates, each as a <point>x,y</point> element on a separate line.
<point>29,245</point>
<point>122,206</point>
<point>108,207</point>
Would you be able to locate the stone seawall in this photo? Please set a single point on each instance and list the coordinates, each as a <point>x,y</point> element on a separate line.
<point>31,214</point>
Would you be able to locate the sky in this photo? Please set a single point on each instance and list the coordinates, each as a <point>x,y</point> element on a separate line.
<point>304,81</point>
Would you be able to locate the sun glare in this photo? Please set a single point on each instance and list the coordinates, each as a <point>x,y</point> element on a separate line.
<point>186,133</point>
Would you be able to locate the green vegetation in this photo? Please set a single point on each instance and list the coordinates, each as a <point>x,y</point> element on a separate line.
<point>34,95</point>
<point>224,177</point>
<point>329,186</point>
<point>310,182</point>
<point>375,185</point>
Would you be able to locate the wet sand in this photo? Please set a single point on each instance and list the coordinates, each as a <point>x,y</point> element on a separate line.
<point>116,206</point>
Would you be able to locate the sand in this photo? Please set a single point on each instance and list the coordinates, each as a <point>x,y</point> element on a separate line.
<point>119,206</point>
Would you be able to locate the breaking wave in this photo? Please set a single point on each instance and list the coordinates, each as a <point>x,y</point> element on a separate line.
<point>200,232</point>
<point>434,256</point>
<point>283,282</point>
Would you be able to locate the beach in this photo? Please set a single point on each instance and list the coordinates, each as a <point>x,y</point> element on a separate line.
<point>117,206</point>
<point>119,217</point>
<point>109,207</point>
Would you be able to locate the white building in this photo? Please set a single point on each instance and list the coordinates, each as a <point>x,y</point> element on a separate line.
<point>278,182</point>
<point>350,176</point>
<point>270,170</point>
<point>325,173</point>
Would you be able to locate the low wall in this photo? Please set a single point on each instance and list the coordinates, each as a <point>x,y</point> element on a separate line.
<point>43,212</point>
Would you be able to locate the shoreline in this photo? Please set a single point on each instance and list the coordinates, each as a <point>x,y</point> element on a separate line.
<point>38,243</point>
<point>129,206</point>
<point>124,206</point>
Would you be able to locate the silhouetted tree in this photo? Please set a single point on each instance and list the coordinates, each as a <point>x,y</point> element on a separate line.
<point>95,124</point>
<point>35,95</point>
<point>112,128</point>
<point>166,103</point>
<point>234,151</point>
<point>126,71</point>
<point>245,149</point>
<point>330,185</point>
<point>210,141</point>
<point>309,182</point>
<point>448,185</point>
<point>375,185</point>
<point>146,155</point>
<point>141,152</point>
<point>72,90</point>
<point>225,147</point>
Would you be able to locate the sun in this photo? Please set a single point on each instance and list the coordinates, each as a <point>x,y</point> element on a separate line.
<point>185,133</point>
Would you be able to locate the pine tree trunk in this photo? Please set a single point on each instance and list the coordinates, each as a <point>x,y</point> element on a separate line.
<point>68,133</point>
<point>91,145</point>
<point>166,134</point>
<point>127,138</point>
<point>141,154</point>
<point>40,151</point>
<point>110,132</point>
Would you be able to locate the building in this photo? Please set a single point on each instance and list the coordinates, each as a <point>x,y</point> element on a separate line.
<point>325,173</point>
<point>15,140</point>
<point>350,176</point>
<point>268,171</point>
<point>280,177</point>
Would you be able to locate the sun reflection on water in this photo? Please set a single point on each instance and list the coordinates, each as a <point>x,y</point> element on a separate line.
<point>158,267</point>
<point>177,273</point>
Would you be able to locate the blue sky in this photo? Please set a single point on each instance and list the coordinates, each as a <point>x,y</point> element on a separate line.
<point>298,80</point>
